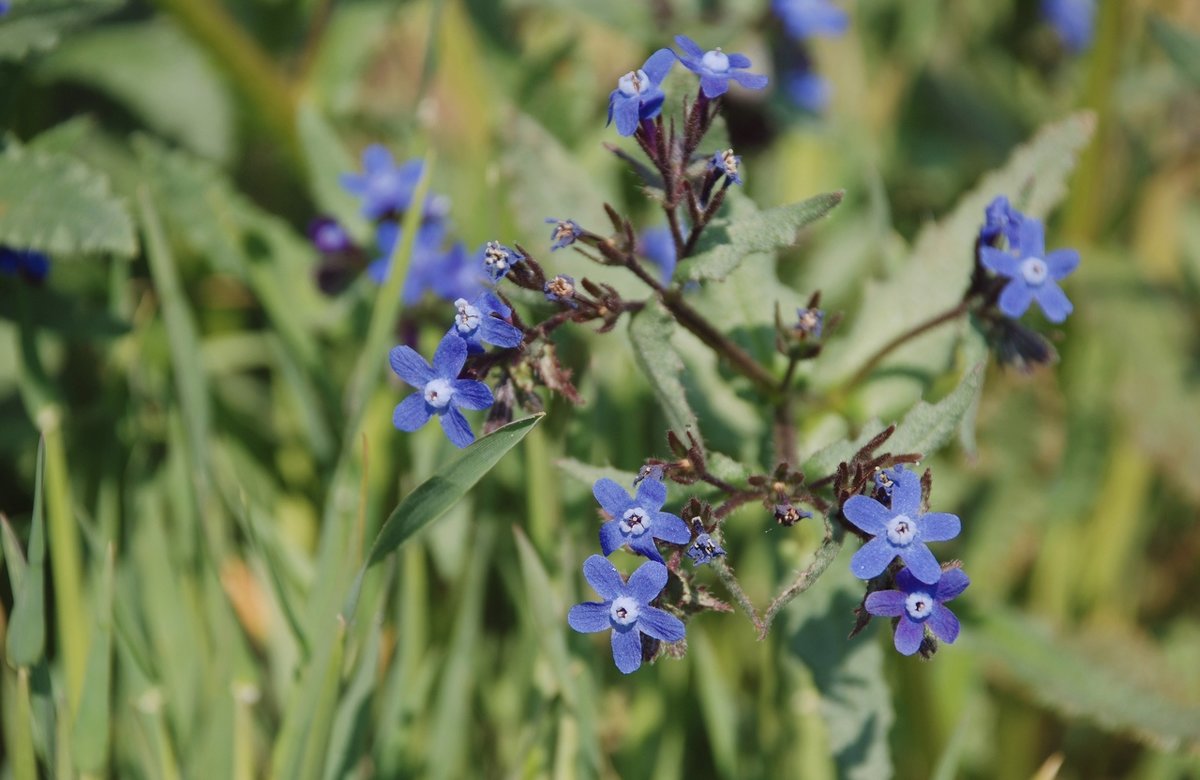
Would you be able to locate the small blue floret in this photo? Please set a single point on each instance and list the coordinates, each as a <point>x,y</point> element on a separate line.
<point>638,521</point>
<point>439,390</point>
<point>716,68</point>
<point>638,94</point>
<point>919,604</point>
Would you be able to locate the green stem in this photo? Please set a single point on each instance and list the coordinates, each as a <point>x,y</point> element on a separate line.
<point>872,362</point>
<point>830,546</point>
<point>717,341</point>
<point>264,88</point>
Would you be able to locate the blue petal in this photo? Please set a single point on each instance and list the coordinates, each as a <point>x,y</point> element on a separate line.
<point>627,650</point>
<point>488,302</point>
<point>1061,262</point>
<point>498,332</point>
<point>714,86</point>
<point>867,514</point>
<point>659,65</point>
<point>909,634</point>
<point>943,622</point>
<point>652,103</point>
<point>688,45</point>
<point>611,497</point>
<point>670,528</point>
<point>644,545</point>
<point>872,558</point>
<point>749,80</point>
<point>906,493</point>
<point>647,582</point>
<point>410,366</point>
<point>1031,237</point>
<point>906,582</point>
<point>921,563</point>
<point>411,413</point>
<point>1000,262</point>
<point>886,603</point>
<point>450,356</point>
<point>611,537</point>
<point>1015,299</point>
<point>952,583</point>
<point>738,60</point>
<point>377,159</point>
<point>458,431</point>
<point>1054,301</point>
<point>939,527</point>
<point>353,183</point>
<point>469,394</point>
<point>386,236</point>
<point>377,272</point>
<point>589,617</point>
<point>626,112</point>
<point>603,576</point>
<point>660,624</point>
<point>651,494</point>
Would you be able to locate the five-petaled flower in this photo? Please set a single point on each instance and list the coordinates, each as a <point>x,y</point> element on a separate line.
<point>1001,219</point>
<point>638,94</point>
<point>919,604</point>
<point>810,18</point>
<point>899,531</point>
<point>475,324</point>
<point>626,609</point>
<point>1032,274</point>
<point>328,236</point>
<point>727,163</point>
<point>565,232</point>
<point>439,390</point>
<point>716,68</point>
<point>384,187</point>
<point>638,521</point>
<point>703,549</point>
<point>561,289</point>
<point>498,260</point>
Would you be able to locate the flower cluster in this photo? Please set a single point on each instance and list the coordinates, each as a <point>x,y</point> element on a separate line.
<point>901,531</point>
<point>1032,273</point>
<point>804,20</point>
<point>386,191</point>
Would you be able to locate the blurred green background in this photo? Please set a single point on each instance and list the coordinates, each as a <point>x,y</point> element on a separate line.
<point>218,440</point>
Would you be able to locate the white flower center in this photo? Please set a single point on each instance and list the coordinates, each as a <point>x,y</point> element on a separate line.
<point>624,611</point>
<point>560,287</point>
<point>1034,271</point>
<point>634,522</point>
<point>730,162</point>
<point>468,316</point>
<point>495,256</point>
<point>633,82</point>
<point>918,605</point>
<point>901,530</point>
<point>715,61</point>
<point>438,392</point>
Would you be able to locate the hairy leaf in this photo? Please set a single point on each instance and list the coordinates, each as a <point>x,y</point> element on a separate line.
<point>650,331</point>
<point>39,26</point>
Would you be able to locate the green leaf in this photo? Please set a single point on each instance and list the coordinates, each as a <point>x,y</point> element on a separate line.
<point>764,231</point>
<point>90,735</point>
<point>44,308</point>
<point>939,266</point>
<point>159,74</point>
<point>856,703</point>
<point>436,495</point>
<point>55,204</point>
<point>718,704</point>
<point>1182,46</point>
<point>925,429</point>
<point>38,25</point>
<point>650,332</point>
<point>1067,676</point>
<point>326,160</point>
<point>27,629</point>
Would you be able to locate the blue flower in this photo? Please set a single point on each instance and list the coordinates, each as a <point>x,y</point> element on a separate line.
<point>440,391</point>
<point>886,479</point>
<point>638,95</point>
<point>808,90</point>
<point>561,289</point>
<point>1001,219</point>
<point>811,18</point>
<point>4,7</point>
<point>498,260</point>
<point>475,324</point>
<point>1033,274</point>
<point>626,610</point>
<point>1073,20</point>
<point>789,514</point>
<point>716,68</point>
<point>919,604</point>
<point>810,322</point>
<point>328,236</point>
<point>727,163</point>
<point>638,521</point>
<point>657,245</point>
<point>900,531</point>
<point>565,232</point>
<point>704,549</point>
<point>33,266</point>
<point>384,188</point>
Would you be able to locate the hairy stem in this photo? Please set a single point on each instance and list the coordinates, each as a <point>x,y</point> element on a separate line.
<point>938,319</point>
<point>831,545</point>
<point>717,341</point>
<point>735,589</point>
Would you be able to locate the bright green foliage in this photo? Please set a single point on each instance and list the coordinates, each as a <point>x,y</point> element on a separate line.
<point>58,205</point>
<point>38,25</point>
<point>650,333</point>
<point>1182,46</point>
<point>27,630</point>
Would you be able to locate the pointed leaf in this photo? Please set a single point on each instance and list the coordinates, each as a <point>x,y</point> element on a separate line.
<point>27,629</point>
<point>650,331</point>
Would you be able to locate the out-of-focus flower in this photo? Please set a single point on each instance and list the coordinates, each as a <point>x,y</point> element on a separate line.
<point>805,19</point>
<point>33,266</point>
<point>328,236</point>
<point>1073,20</point>
<point>439,390</point>
<point>1033,275</point>
<point>657,245</point>
<point>565,232</point>
<point>1000,219</point>
<point>475,324</point>
<point>716,68</point>
<point>383,187</point>
<point>810,322</point>
<point>638,95</point>
<point>808,90</point>
<point>918,604</point>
